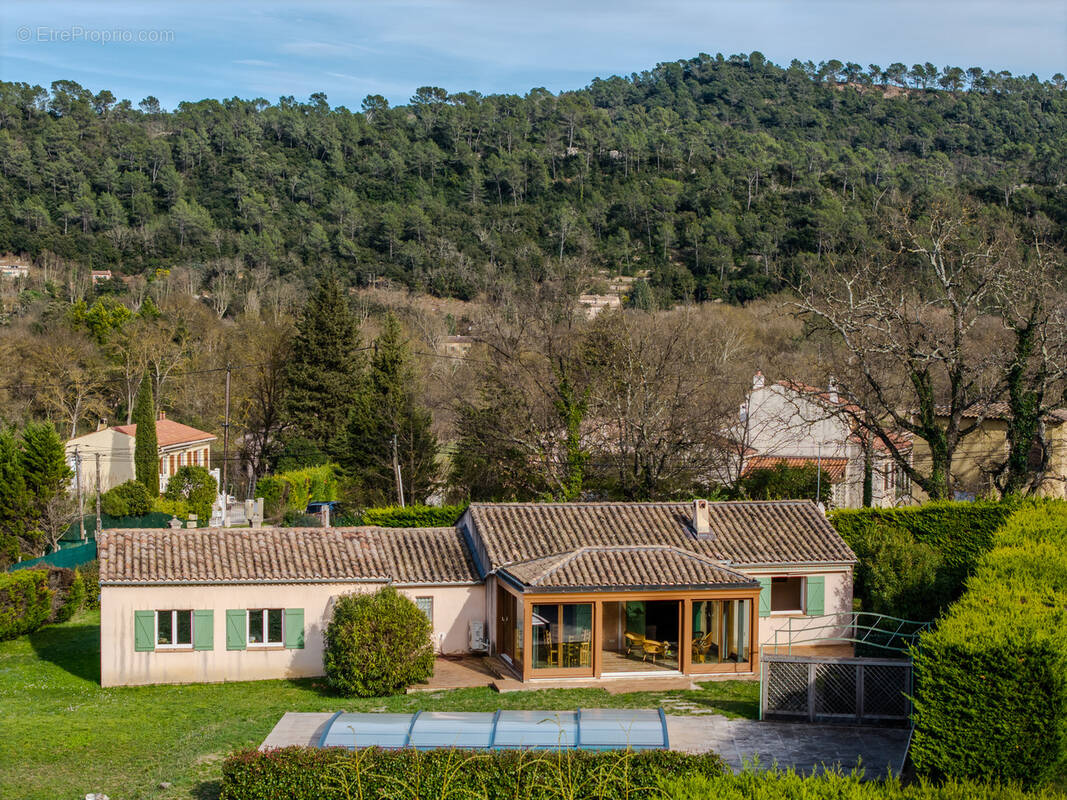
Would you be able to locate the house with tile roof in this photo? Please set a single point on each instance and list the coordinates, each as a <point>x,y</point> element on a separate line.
<point>984,449</point>
<point>798,425</point>
<point>582,590</point>
<point>179,446</point>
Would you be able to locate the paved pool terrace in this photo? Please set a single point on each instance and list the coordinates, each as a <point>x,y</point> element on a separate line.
<point>804,747</point>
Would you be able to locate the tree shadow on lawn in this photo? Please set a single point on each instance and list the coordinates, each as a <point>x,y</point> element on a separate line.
<point>206,790</point>
<point>73,648</point>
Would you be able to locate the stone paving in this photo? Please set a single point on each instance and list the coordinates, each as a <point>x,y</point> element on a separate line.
<point>804,747</point>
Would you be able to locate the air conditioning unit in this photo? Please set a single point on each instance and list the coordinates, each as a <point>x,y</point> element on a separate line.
<point>479,643</point>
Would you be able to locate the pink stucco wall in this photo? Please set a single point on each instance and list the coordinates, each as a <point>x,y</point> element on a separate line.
<point>121,665</point>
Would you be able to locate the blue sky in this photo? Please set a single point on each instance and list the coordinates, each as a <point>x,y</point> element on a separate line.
<point>195,49</point>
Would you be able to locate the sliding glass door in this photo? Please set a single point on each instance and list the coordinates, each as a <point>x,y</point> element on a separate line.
<point>562,636</point>
<point>721,632</point>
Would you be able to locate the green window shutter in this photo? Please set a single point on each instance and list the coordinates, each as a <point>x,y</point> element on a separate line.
<point>816,585</point>
<point>144,631</point>
<point>236,629</point>
<point>294,628</point>
<point>204,629</point>
<point>764,597</point>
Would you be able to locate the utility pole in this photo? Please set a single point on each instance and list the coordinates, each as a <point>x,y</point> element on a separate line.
<point>99,525</point>
<point>818,475</point>
<point>396,469</point>
<point>226,452</point>
<point>78,481</point>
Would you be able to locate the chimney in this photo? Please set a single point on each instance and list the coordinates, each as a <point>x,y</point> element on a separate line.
<point>832,390</point>
<point>162,414</point>
<point>758,380</point>
<point>701,518</point>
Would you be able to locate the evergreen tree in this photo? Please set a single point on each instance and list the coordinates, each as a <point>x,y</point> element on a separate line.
<point>15,501</point>
<point>324,371</point>
<point>44,463</point>
<point>387,408</point>
<point>146,447</point>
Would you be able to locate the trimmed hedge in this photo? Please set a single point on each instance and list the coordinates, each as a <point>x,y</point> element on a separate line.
<point>293,490</point>
<point>991,679</point>
<point>129,499</point>
<point>25,602</point>
<point>300,773</point>
<point>835,786</point>
<point>951,538</point>
<point>412,516</point>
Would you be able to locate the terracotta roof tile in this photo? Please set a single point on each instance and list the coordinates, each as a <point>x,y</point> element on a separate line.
<point>742,533</point>
<point>169,432</point>
<point>402,555</point>
<point>639,567</point>
<point>833,467</point>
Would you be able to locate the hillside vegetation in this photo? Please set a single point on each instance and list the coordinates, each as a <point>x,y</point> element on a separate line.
<point>722,176</point>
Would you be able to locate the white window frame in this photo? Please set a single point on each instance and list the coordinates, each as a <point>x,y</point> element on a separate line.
<point>266,627</point>
<point>786,612</point>
<point>429,599</point>
<point>173,628</point>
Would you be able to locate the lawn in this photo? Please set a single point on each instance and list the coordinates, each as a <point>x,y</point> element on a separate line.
<point>62,735</point>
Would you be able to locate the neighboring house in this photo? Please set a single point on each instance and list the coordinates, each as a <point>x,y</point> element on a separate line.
<point>981,452</point>
<point>594,304</point>
<point>179,446</point>
<point>557,589</point>
<point>798,425</point>
<point>456,346</point>
<point>98,275</point>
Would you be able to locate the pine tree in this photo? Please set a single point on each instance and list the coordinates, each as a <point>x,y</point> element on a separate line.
<point>387,407</point>
<point>146,446</point>
<point>44,463</point>
<point>324,371</point>
<point>15,502</point>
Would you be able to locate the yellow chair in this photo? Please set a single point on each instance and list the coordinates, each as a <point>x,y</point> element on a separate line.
<point>652,648</point>
<point>634,641</point>
<point>701,647</point>
<point>585,649</point>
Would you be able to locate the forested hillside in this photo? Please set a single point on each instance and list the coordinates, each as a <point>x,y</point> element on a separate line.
<point>720,175</point>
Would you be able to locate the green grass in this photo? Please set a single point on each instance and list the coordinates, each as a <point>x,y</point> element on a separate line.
<point>62,735</point>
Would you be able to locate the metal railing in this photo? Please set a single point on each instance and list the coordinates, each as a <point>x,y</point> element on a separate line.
<point>863,628</point>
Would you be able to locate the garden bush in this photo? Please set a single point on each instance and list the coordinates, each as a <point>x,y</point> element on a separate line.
<point>91,578</point>
<point>293,490</point>
<point>991,679</point>
<point>129,499</point>
<point>959,533</point>
<point>297,773</point>
<point>377,644</point>
<point>73,598</point>
<point>25,602</point>
<point>412,516</point>
<point>194,486</point>
<point>777,785</point>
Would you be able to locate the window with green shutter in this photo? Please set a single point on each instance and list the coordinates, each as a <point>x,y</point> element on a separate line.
<point>294,628</point>
<point>815,605</point>
<point>204,629</point>
<point>144,631</point>
<point>764,597</point>
<point>236,629</point>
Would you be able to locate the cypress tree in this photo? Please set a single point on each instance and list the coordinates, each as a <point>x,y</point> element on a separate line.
<point>387,406</point>
<point>15,501</point>
<point>146,446</point>
<point>324,371</point>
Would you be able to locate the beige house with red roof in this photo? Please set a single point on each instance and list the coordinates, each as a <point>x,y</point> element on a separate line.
<point>179,446</point>
<point>797,425</point>
<point>551,590</point>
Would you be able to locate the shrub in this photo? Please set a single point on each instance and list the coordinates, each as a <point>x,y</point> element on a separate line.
<point>297,773</point>
<point>91,578</point>
<point>377,644</point>
<point>783,482</point>
<point>959,533</point>
<point>295,519</point>
<point>129,499</point>
<point>898,575</point>
<point>174,508</point>
<point>991,679</point>
<point>195,486</point>
<point>830,785</point>
<point>412,516</point>
<point>292,491</point>
<point>25,602</point>
<point>73,599</point>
